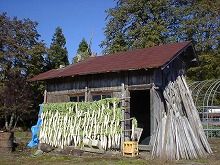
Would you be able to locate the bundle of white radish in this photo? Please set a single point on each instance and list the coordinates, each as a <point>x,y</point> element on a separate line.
<point>65,124</point>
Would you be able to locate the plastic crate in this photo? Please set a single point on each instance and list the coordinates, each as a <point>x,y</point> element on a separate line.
<point>130,149</point>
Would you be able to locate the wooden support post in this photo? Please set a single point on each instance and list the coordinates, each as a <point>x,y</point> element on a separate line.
<point>86,94</point>
<point>45,96</point>
<point>123,116</point>
<point>152,113</point>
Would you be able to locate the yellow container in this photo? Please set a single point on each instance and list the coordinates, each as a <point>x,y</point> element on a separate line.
<point>130,148</point>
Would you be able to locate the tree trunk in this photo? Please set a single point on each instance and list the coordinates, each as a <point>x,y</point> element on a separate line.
<point>6,122</point>
<point>11,121</point>
<point>16,121</point>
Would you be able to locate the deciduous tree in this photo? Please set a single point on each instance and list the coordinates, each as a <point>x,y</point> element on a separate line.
<point>16,100</point>
<point>20,47</point>
<point>22,55</point>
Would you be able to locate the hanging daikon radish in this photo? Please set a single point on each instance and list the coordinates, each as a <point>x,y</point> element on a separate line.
<point>133,126</point>
<point>119,139</point>
<point>109,141</point>
<point>71,125</point>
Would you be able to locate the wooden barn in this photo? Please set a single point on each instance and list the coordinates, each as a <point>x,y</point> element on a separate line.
<point>143,74</point>
<point>150,86</point>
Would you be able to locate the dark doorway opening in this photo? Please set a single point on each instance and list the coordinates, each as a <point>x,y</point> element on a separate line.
<point>140,109</point>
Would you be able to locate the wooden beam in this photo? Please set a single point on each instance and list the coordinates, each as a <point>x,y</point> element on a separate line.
<point>82,91</point>
<point>145,147</point>
<point>94,150</point>
<point>140,87</point>
<point>86,94</point>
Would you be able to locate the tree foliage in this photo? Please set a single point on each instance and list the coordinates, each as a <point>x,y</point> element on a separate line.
<point>135,24</point>
<point>209,67</point>
<point>58,54</point>
<point>139,24</point>
<point>22,55</point>
<point>16,100</point>
<point>20,48</point>
<point>83,52</point>
<point>201,24</point>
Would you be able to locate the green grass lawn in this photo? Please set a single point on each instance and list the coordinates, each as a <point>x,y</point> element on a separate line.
<point>25,157</point>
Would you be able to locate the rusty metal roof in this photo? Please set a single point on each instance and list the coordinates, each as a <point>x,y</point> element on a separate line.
<point>152,57</point>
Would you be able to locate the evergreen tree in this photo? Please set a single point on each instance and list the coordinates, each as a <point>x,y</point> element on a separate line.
<point>201,24</point>
<point>83,52</point>
<point>57,54</point>
<point>137,24</point>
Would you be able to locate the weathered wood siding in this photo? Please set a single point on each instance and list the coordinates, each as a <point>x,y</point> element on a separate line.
<point>59,90</point>
<point>134,77</point>
<point>173,70</point>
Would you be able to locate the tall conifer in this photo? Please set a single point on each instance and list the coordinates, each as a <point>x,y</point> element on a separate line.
<point>58,54</point>
<point>83,52</point>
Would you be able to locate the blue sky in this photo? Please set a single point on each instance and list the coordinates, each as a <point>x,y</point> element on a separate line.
<point>77,18</point>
